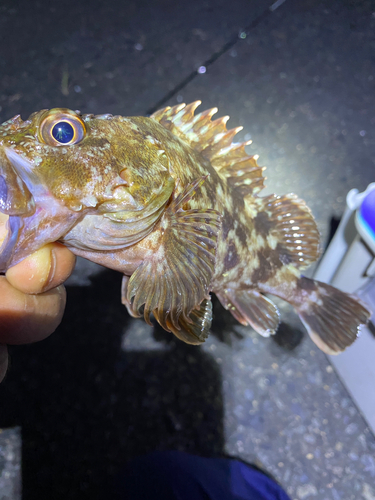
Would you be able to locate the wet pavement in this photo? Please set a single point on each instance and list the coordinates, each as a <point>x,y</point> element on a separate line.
<point>105,387</point>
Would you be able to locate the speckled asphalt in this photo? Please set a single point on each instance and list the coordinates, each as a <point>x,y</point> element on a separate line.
<point>105,388</point>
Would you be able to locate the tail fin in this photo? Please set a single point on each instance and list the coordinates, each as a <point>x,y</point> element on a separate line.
<point>331,317</point>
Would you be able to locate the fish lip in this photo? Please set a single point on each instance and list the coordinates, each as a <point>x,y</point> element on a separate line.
<point>24,168</point>
<point>9,244</point>
<point>15,195</point>
<point>22,184</point>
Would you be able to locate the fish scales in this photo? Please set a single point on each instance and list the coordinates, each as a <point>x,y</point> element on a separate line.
<point>173,203</point>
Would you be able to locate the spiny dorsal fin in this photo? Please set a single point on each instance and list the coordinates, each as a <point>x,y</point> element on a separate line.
<point>245,175</point>
<point>212,139</point>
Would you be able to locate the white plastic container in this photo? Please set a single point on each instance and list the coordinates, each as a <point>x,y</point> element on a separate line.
<point>349,264</point>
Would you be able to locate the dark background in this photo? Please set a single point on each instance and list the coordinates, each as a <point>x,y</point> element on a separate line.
<point>105,388</point>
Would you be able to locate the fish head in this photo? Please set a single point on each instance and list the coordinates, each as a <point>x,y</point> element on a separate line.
<point>59,167</point>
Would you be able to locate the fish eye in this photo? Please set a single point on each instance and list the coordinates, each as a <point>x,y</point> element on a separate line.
<point>60,127</point>
<point>63,132</point>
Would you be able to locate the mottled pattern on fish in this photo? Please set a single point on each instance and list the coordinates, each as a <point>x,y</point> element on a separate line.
<point>173,203</point>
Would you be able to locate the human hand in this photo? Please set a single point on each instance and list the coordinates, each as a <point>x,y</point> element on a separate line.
<point>32,297</point>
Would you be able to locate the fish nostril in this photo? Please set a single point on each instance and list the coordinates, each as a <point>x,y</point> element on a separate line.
<point>3,191</point>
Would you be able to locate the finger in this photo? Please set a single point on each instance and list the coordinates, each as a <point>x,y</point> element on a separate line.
<point>28,318</point>
<point>46,268</point>
<point>3,361</point>
<point>43,270</point>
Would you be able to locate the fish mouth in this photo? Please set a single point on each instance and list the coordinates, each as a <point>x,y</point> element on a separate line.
<point>14,226</point>
<point>15,192</point>
<point>36,217</point>
<point>16,201</point>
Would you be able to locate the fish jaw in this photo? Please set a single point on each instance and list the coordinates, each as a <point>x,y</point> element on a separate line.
<point>35,219</point>
<point>15,197</point>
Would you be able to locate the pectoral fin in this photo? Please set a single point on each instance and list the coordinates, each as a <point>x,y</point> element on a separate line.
<point>124,300</point>
<point>175,280</point>
<point>195,331</point>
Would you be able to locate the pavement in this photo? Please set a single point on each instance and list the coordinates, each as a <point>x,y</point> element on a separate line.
<point>105,387</point>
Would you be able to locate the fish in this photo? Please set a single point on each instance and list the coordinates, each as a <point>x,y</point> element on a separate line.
<point>173,203</point>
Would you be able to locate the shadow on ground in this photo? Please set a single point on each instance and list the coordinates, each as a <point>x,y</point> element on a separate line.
<point>86,406</point>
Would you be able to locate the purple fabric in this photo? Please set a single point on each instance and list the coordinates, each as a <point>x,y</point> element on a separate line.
<point>180,476</point>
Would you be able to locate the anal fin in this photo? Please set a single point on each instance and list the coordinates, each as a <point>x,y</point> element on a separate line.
<point>250,307</point>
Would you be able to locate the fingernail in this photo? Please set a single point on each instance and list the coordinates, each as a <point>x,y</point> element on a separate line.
<point>52,270</point>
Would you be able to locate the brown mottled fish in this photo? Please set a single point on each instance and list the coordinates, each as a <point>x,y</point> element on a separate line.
<point>172,203</point>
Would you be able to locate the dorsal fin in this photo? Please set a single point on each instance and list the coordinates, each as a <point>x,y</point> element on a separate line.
<point>212,139</point>
<point>288,224</point>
